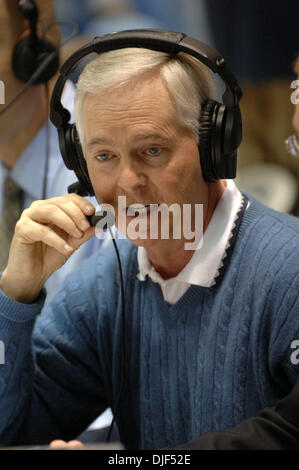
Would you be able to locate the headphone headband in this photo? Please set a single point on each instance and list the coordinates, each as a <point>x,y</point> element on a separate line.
<point>164,41</point>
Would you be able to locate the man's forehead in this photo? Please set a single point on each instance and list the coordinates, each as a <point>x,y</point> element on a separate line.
<point>149,91</point>
<point>145,113</point>
<point>140,117</point>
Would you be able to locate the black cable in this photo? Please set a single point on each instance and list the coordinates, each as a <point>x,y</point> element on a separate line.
<point>70,23</point>
<point>123,349</point>
<point>47,153</point>
<point>42,66</point>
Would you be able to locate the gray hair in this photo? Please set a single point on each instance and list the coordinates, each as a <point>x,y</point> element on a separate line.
<point>189,82</point>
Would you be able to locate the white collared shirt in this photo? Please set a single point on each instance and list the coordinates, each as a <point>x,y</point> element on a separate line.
<point>205,263</point>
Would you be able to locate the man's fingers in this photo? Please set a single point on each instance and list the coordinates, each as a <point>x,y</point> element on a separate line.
<point>59,222</point>
<point>31,232</point>
<point>58,444</point>
<point>67,217</point>
<point>67,213</point>
<point>77,215</point>
<point>85,206</point>
<point>76,445</point>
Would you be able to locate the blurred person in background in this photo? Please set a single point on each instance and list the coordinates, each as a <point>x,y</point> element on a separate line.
<point>187,16</point>
<point>97,17</point>
<point>30,159</point>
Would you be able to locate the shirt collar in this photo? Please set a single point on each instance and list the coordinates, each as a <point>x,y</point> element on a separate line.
<point>205,263</point>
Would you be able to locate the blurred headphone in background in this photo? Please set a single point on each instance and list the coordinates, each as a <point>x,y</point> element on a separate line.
<point>220,123</point>
<point>31,52</point>
<point>35,61</point>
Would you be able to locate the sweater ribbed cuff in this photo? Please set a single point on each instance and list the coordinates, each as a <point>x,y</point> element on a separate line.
<point>18,312</point>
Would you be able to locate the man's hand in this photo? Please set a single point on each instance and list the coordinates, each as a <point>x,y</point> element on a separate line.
<point>46,235</point>
<point>63,445</point>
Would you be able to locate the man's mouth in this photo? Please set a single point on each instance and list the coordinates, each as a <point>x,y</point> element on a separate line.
<point>140,210</point>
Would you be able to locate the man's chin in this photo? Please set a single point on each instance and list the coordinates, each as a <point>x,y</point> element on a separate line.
<point>145,242</point>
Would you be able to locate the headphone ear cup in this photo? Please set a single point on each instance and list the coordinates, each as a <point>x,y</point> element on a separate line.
<point>73,157</point>
<point>206,140</point>
<point>65,144</point>
<point>220,136</point>
<point>229,130</point>
<point>232,130</point>
<point>28,55</point>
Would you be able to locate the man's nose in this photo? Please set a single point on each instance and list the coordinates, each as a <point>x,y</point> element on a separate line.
<point>131,178</point>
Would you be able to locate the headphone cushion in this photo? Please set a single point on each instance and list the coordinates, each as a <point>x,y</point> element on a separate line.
<point>82,171</point>
<point>206,130</point>
<point>77,160</point>
<point>28,56</point>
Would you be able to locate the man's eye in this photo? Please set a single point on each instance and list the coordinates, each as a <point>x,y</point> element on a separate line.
<point>153,151</point>
<point>103,156</point>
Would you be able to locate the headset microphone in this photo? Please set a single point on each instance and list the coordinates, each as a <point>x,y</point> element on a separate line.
<point>101,220</point>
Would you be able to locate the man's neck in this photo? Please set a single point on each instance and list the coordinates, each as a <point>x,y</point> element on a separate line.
<point>169,261</point>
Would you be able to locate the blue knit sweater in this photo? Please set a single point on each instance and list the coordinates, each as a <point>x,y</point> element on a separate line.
<point>206,363</point>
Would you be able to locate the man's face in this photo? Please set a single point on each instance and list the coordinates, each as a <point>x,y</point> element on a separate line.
<point>134,147</point>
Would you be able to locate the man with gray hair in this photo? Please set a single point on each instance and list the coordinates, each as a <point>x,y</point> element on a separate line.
<point>208,332</point>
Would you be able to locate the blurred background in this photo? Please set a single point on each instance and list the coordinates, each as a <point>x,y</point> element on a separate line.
<point>259,41</point>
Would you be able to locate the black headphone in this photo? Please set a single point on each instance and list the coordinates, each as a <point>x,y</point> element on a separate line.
<point>220,123</point>
<point>32,51</point>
